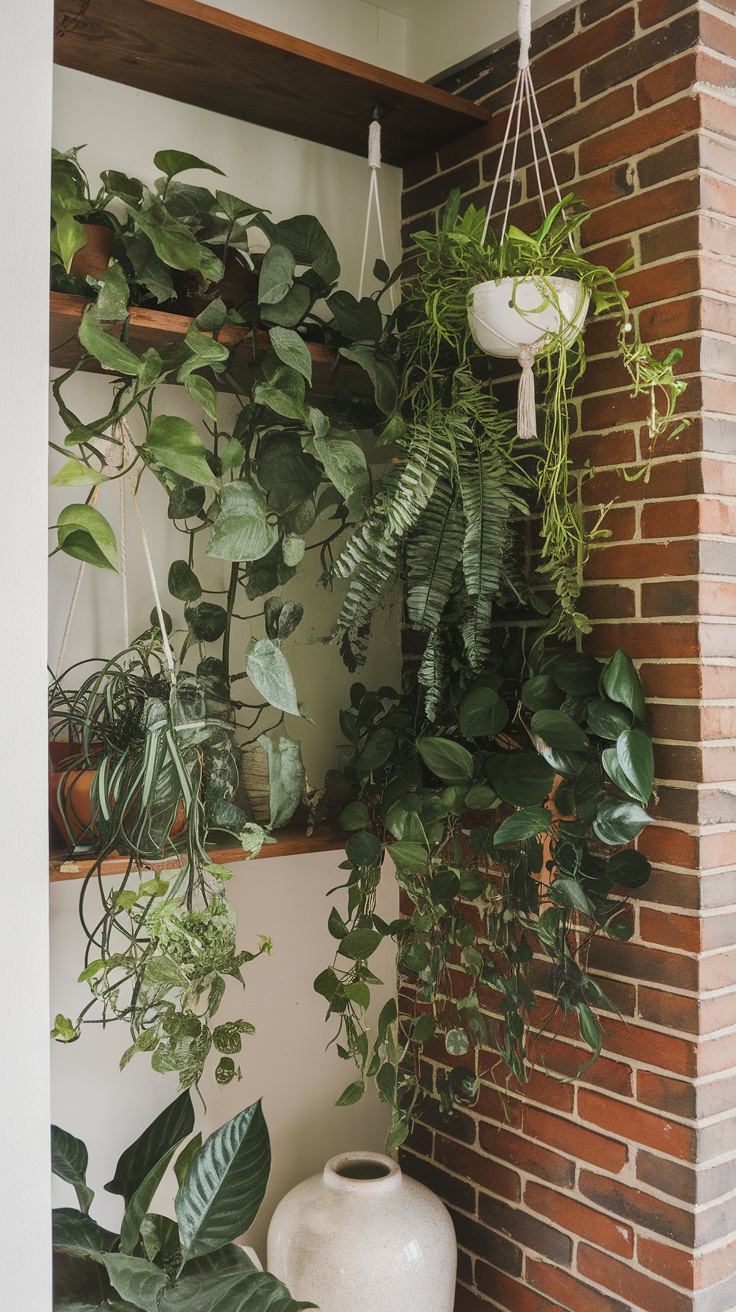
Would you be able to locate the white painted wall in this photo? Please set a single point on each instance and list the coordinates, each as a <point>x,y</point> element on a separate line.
<point>285,1062</point>
<point>25,111</point>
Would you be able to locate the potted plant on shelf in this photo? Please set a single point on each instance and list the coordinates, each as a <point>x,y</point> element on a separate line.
<point>508,822</point>
<point>156,1261</point>
<point>81,225</point>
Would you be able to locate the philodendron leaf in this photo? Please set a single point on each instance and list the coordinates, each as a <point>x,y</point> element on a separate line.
<point>559,731</point>
<point>86,535</point>
<point>292,350</point>
<point>74,473</point>
<point>482,714</point>
<point>345,465</point>
<point>183,582</point>
<point>621,684</point>
<point>237,1287</point>
<point>113,295</point>
<point>201,390</point>
<point>224,1185</point>
<point>108,350</point>
<point>172,1125</point>
<point>636,757</point>
<point>360,944</point>
<point>141,1201</point>
<point>68,237</point>
<point>137,1281</point>
<point>69,1160</point>
<point>243,529</point>
<point>276,276</point>
<point>619,822</point>
<point>175,444</point>
<point>286,777</point>
<point>570,894</point>
<point>450,761</point>
<point>270,675</point>
<point>528,823</point>
<point>173,162</point>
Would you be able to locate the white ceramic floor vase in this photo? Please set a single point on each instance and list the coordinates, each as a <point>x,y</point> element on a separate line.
<point>520,318</point>
<point>364,1237</point>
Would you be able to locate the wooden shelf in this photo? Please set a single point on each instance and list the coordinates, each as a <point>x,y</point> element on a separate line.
<point>293,840</point>
<point>202,56</point>
<point>155,328</point>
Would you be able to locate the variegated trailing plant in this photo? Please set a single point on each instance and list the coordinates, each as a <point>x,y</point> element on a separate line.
<point>156,1262</point>
<point>508,821</point>
<point>446,512</point>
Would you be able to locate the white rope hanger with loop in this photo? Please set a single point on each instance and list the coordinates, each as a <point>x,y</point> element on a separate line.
<point>374,197</point>
<point>524,96</point>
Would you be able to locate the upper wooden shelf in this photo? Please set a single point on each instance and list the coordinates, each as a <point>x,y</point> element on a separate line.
<point>202,56</point>
<point>293,840</point>
<point>155,328</point>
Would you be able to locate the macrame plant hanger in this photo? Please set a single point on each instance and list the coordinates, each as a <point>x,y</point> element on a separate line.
<point>524,95</point>
<point>374,198</point>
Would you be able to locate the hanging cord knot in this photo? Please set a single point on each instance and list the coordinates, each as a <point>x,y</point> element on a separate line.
<point>374,144</point>
<point>526,418</point>
<point>525,32</point>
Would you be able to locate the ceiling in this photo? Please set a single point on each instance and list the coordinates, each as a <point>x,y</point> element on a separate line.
<point>403,7</point>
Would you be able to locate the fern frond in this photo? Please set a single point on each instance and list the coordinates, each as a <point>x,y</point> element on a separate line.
<point>433,553</point>
<point>487,502</point>
<point>433,673</point>
<point>425,462</point>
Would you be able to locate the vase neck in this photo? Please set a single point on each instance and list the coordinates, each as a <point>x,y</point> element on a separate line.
<point>362,1173</point>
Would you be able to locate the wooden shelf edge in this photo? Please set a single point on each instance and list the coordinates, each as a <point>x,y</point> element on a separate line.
<point>293,840</point>
<point>195,53</point>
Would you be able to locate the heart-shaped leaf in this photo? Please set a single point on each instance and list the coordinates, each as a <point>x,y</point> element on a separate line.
<point>243,529</point>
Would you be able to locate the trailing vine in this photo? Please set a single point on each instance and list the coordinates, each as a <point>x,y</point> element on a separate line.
<point>508,822</point>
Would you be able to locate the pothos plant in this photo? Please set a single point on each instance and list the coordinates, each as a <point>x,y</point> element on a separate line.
<point>157,1263</point>
<point>508,822</point>
<point>446,512</point>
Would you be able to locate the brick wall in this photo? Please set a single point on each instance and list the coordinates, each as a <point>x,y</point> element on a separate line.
<point>618,1191</point>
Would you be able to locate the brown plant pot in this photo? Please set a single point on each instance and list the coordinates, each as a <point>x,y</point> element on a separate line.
<point>193,294</point>
<point>254,778</point>
<point>70,798</point>
<point>93,258</point>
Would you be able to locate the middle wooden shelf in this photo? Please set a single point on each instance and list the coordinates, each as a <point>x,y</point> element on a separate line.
<point>158,328</point>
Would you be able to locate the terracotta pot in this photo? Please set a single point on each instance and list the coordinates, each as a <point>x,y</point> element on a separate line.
<point>239,282</point>
<point>70,796</point>
<point>93,258</point>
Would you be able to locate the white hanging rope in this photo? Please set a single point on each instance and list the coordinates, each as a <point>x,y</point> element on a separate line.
<point>122,546</point>
<point>525,32</point>
<point>374,197</point>
<point>75,595</point>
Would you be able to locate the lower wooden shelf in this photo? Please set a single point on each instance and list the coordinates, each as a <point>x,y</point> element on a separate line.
<point>293,840</point>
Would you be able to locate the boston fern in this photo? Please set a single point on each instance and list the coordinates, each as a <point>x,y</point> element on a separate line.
<point>508,822</point>
<point>156,1263</point>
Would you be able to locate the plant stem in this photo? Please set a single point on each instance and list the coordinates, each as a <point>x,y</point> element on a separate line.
<point>230,607</point>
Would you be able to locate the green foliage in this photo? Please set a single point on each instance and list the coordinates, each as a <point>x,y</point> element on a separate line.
<point>512,865</point>
<point>157,1264</point>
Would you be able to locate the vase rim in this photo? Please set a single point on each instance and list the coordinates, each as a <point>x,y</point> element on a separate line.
<point>382,1172</point>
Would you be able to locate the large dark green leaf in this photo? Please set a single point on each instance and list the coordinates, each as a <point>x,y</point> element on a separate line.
<point>276,276</point>
<point>243,529</point>
<point>570,894</point>
<point>619,822</point>
<point>69,1160</point>
<point>183,582</point>
<point>224,1185</point>
<point>559,731</point>
<point>86,535</point>
<point>270,675</point>
<point>287,473</point>
<point>174,443</point>
<point>636,756</point>
<point>137,1281</point>
<point>237,1287</point>
<point>172,1125</point>
<point>409,856</point>
<point>450,761</point>
<point>360,320</point>
<point>310,245</point>
<point>207,621</point>
<point>528,823</point>
<point>360,944</point>
<point>292,350</point>
<point>286,778</point>
<point>621,684</point>
<point>173,241</point>
<point>608,720</point>
<point>364,848</point>
<point>629,869</point>
<point>343,460</point>
<point>141,1201</point>
<point>612,767</point>
<point>74,1232</point>
<point>380,371</point>
<point>482,714</point>
<point>574,672</point>
<point>541,693</point>
<point>520,778</point>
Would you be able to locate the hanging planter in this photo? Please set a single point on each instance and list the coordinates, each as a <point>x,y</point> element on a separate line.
<point>512,316</point>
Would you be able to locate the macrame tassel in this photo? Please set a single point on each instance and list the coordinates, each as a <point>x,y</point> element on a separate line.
<point>526,421</point>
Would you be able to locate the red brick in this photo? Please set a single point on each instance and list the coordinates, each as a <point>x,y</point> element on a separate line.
<point>570,1292</point>
<point>608,601</point>
<point>670,930</point>
<point>677,238</point>
<point>640,962</point>
<point>661,599</point>
<point>646,131</point>
<point>674,1179</point>
<point>506,1293</point>
<point>665,81</point>
<point>642,1292</point>
<point>575,1140</point>
<point>615,1076</point>
<point>518,1224</point>
<point>610,34</point>
<point>661,1051</point>
<point>638,1208</point>
<point>479,1169</point>
<point>652,12</point>
<point>669,1009</point>
<point>644,560</point>
<point>676,1097</point>
<point>570,1215</point>
<point>653,48</point>
<point>517,1151</point>
<point>641,1126</point>
<point>675,1264</point>
<point>675,680</point>
<point>669,201</point>
<point>640,639</point>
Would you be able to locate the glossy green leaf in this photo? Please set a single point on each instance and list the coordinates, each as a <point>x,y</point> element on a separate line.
<point>482,714</point>
<point>364,849</point>
<point>173,443</point>
<point>575,672</point>
<point>629,869</point>
<point>352,1094</point>
<point>270,675</point>
<point>619,822</point>
<point>287,780</point>
<point>612,767</point>
<point>207,621</point>
<point>412,857</point>
<point>310,245</point>
<point>113,294</point>
<point>75,1232</point>
<point>86,535</point>
<point>201,390</point>
<point>520,778</point>
<point>355,816</point>
<point>69,1161</point>
<point>381,372</point>
<point>276,276</point>
<point>183,582</point>
<point>243,529</point>
<point>559,731</point>
<point>608,720</point>
<point>219,1283</point>
<point>621,684</point>
<point>636,756</point>
<point>225,1184</point>
<point>68,237</point>
<point>360,944</point>
<point>172,1125</point>
<point>141,1202</point>
<point>74,473</point>
<point>181,1165</point>
<point>570,894</point>
<point>292,350</point>
<point>528,823</point>
<point>541,693</point>
<point>450,761</point>
<point>111,353</point>
<point>345,465</point>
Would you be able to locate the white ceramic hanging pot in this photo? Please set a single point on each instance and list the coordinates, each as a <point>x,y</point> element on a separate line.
<point>533,311</point>
<point>364,1237</point>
